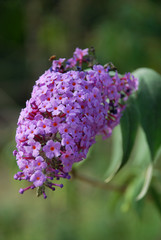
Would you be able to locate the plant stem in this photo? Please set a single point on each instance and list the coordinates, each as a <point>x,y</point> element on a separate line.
<point>97,183</point>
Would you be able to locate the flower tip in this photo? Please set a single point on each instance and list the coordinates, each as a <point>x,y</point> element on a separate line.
<point>44,195</point>
<point>15,177</point>
<point>14,152</point>
<point>68,177</point>
<point>21,191</point>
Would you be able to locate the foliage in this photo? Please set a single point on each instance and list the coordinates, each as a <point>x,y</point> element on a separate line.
<point>142,114</point>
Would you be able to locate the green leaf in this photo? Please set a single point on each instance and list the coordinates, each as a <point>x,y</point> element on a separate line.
<point>131,193</point>
<point>116,155</point>
<point>148,102</point>
<point>147,181</point>
<point>156,197</point>
<point>129,125</point>
<point>137,188</point>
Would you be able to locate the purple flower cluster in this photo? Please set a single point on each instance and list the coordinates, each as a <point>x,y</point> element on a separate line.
<point>68,107</point>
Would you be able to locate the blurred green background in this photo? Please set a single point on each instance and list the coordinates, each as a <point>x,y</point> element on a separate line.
<point>126,32</point>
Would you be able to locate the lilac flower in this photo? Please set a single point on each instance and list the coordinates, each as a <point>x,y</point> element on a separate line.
<point>39,163</point>
<point>67,159</point>
<point>52,149</point>
<point>56,108</point>
<point>73,121</point>
<point>38,178</point>
<point>31,130</point>
<point>44,126</point>
<point>23,164</point>
<point>54,124</point>
<point>67,141</point>
<point>112,92</point>
<point>66,111</point>
<point>79,53</point>
<point>57,63</point>
<point>33,147</point>
<point>65,129</point>
<point>99,68</point>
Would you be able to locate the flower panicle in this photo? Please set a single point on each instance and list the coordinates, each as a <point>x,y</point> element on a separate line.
<point>69,106</point>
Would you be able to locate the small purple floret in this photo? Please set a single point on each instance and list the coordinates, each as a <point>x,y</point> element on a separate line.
<point>38,178</point>
<point>21,191</point>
